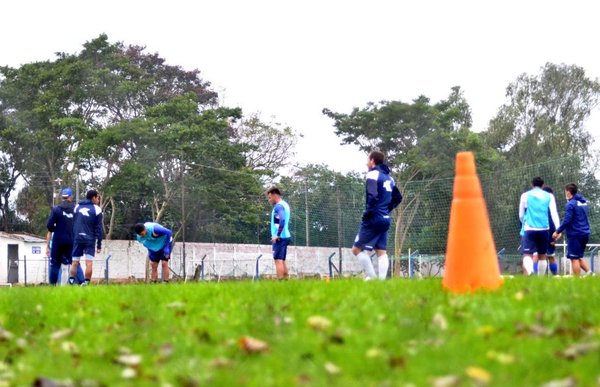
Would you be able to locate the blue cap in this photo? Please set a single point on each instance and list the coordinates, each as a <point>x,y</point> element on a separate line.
<point>65,193</point>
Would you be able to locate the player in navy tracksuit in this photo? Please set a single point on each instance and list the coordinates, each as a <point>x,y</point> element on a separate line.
<point>59,241</point>
<point>87,232</point>
<point>577,226</point>
<point>382,196</point>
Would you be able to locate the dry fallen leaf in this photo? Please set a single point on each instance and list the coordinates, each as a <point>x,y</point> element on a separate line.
<point>132,360</point>
<point>69,347</point>
<point>576,350</point>
<point>567,382</point>
<point>176,305</point>
<point>5,335</point>
<point>440,322</point>
<point>446,381</point>
<point>374,353</point>
<point>502,358</point>
<point>61,334</point>
<point>251,345</point>
<point>165,351</point>
<point>319,323</point>
<point>332,369</point>
<point>478,375</point>
<point>519,296</point>
<point>221,362</point>
<point>128,373</point>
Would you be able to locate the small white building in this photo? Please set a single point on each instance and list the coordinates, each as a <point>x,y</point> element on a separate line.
<point>23,259</point>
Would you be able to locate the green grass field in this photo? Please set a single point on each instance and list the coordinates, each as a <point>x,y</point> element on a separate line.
<point>303,332</point>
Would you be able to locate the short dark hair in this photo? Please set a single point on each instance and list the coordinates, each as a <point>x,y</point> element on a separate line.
<point>274,190</point>
<point>377,157</point>
<point>548,189</point>
<point>572,188</point>
<point>91,194</point>
<point>537,181</point>
<point>138,228</point>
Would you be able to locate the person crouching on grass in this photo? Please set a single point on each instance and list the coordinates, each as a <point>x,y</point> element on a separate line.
<point>159,241</point>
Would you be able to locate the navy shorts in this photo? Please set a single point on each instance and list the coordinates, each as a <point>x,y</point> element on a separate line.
<point>61,254</point>
<point>535,241</point>
<point>576,246</point>
<point>86,249</point>
<point>156,256</point>
<point>372,235</point>
<point>280,248</point>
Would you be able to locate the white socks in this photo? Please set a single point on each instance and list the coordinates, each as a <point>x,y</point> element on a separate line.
<point>365,260</point>
<point>542,267</point>
<point>383,264</point>
<point>528,264</point>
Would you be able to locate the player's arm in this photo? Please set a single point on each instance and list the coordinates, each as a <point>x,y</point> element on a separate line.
<point>282,219</point>
<point>99,231</point>
<point>48,237</point>
<point>160,231</point>
<point>554,212</point>
<point>522,206</point>
<point>372,195</point>
<point>51,225</point>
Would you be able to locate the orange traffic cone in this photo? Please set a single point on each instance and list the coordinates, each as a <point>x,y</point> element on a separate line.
<point>471,261</point>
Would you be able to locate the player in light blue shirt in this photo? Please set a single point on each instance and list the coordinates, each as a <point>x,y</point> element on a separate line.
<point>280,231</point>
<point>534,207</point>
<point>159,242</point>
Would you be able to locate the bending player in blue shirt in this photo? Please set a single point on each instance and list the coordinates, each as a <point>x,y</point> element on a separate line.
<point>159,241</point>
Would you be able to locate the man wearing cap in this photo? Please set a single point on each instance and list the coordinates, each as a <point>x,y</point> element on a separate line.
<point>59,240</point>
<point>87,233</point>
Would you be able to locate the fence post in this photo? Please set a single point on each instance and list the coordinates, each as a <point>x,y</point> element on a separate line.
<point>331,265</point>
<point>25,267</point>
<point>592,255</point>
<point>500,254</point>
<point>410,264</point>
<point>257,274</point>
<point>106,268</point>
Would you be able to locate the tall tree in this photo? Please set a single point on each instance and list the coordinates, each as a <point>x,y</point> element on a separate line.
<point>544,116</point>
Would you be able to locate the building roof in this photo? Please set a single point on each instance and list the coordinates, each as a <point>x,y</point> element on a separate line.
<point>22,237</point>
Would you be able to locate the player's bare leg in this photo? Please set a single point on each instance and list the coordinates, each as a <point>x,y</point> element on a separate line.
<point>576,266</point>
<point>281,269</point>
<point>165,270</point>
<point>89,265</point>
<point>153,271</point>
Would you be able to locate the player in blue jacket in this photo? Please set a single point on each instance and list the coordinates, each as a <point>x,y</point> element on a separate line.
<point>59,240</point>
<point>382,196</point>
<point>577,226</point>
<point>159,242</point>
<point>87,232</point>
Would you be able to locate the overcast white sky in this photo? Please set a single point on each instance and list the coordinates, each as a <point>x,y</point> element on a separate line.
<point>290,59</point>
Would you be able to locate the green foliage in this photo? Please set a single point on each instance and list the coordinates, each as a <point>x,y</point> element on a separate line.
<point>545,114</point>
